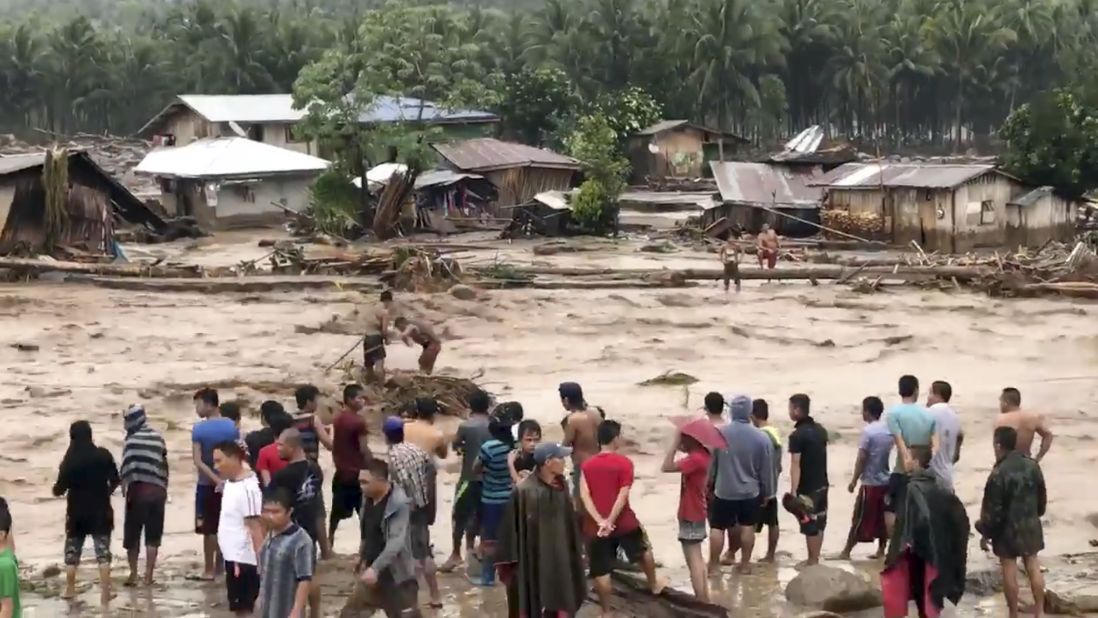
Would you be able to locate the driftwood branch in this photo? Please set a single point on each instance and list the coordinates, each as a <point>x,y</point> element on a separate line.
<point>632,598</point>
<point>33,267</point>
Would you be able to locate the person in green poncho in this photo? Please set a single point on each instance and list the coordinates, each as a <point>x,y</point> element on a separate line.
<point>9,568</point>
<point>539,553</point>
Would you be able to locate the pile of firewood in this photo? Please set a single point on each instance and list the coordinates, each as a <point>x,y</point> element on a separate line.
<point>864,225</point>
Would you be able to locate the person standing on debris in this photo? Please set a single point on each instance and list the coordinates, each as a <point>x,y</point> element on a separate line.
<point>420,332</point>
<point>1014,502</point>
<point>414,471</point>
<point>760,418</point>
<point>144,476</point>
<point>808,471</point>
<point>303,479</point>
<point>741,477</point>
<point>376,338</point>
<point>314,433</point>
<point>496,488</point>
<point>694,468</point>
<point>240,530</point>
<point>286,560</point>
<point>730,254</point>
<point>470,436</point>
<point>947,429</point>
<point>350,451</point>
<point>912,427</point>
<point>1027,424</point>
<point>87,478</point>
<point>610,523</point>
<point>264,436</point>
<point>767,247</point>
<point>871,468</point>
<point>540,557</point>
<point>208,433</point>
<point>386,569</point>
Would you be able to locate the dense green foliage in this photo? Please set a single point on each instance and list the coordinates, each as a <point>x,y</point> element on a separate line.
<point>595,142</point>
<point>889,71</point>
<point>1054,141</point>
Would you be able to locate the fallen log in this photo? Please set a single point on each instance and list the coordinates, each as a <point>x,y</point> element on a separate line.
<point>632,598</point>
<point>231,285</point>
<point>823,271</point>
<point>1072,289</point>
<point>35,267</point>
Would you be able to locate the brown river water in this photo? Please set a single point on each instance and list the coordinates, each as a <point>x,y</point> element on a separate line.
<point>102,349</point>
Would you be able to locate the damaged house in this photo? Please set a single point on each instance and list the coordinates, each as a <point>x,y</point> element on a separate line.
<point>232,181</point>
<point>62,201</point>
<point>752,194</point>
<point>948,208</point>
<point>272,119</point>
<point>678,148</point>
<point>519,172</point>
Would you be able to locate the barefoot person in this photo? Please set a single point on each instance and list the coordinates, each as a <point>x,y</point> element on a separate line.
<point>947,429</point>
<point>240,530</point>
<point>495,493</point>
<point>540,556</point>
<point>376,338</point>
<point>694,468</point>
<point>286,560</point>
<point>470,436</point>
<point>871,468</point>
<point>386,570</point>
<point>760,417</point>
<point>609,521</point>
<point>767,246</point>
<point>1026,423</point>
<point>208,432</point>
<point>87,478</point>
<point>911,426</point>
<point>144,475</point>
<point>420,332</point>
<point>350,451</point>
<point>742,478</point>
<point>1010,518</point>
<point>730,260</point>
<point>808,472</point>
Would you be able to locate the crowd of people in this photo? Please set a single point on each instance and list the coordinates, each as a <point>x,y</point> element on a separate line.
<point>529,523</point>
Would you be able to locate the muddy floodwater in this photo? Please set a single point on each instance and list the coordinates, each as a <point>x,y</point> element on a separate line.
<point>89,352</point>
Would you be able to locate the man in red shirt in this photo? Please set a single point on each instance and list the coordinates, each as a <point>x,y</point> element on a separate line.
<point>694,467</point>
<point>609,522</point>
<point>268,462</point>
<point>349,454</point>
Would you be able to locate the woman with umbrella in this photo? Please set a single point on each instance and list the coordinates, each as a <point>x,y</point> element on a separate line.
<point>695,438</point>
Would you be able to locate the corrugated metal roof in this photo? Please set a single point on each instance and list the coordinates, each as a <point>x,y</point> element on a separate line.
<point>906,175</point>
<point>487,154</point>
<point>764,185</point>
<point>227,157</point>
<point>442,178</point>
<point>668,125</point>
<point>806,141</point>
<point>17,163</point>
<point>1031,198</point>
<point>279,108</point>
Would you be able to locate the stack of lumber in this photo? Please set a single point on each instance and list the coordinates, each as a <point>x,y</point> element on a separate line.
<point>863,225</point>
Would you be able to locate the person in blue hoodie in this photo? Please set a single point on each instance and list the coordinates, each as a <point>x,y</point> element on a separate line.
<point>742,479</point>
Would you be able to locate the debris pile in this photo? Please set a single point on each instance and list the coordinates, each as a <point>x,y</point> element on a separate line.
<point>864,225</point>
<point>398,396</point>
<point>117,155</point>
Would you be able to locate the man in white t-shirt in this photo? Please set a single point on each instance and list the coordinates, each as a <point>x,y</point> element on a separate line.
<point>240,530</point>
<point>947,427</point>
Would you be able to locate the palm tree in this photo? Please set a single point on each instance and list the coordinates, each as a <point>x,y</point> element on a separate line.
<point>911,64</point>
<point>809,28</point>
<point>246,60</point>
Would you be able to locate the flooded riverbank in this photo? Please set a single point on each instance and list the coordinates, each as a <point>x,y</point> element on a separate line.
<point>99,350</point>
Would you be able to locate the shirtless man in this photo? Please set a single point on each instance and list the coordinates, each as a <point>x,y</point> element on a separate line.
<point>767,246</point>
<point>581,429</point>
<point>1025,422</point>
<point>376,337</point>
<point>418,331</point>
<point>422,432</point>
<point>730,259</point>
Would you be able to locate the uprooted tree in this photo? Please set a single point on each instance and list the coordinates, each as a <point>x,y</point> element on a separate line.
<point>406,55</point>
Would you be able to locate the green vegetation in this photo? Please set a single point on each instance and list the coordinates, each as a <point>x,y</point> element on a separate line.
<point>1054,141</point>
<point>890,71</point>
<point>595,143</point>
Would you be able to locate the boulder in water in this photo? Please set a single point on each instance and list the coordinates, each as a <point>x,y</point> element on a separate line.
<point>463,292</point>
<point>832,589</point>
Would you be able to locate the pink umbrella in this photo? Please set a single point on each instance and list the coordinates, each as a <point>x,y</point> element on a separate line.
<point>701,429</point>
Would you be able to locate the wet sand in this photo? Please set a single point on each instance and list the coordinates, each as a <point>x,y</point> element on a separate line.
<point>100,350</point>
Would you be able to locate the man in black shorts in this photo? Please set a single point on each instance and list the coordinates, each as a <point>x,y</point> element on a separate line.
<point>375,338</point>
<point>808,471</point>
<point>743,481</point>
<point>760,417</point>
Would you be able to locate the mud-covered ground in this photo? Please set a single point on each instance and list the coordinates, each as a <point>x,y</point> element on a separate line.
<point>98,350</point>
